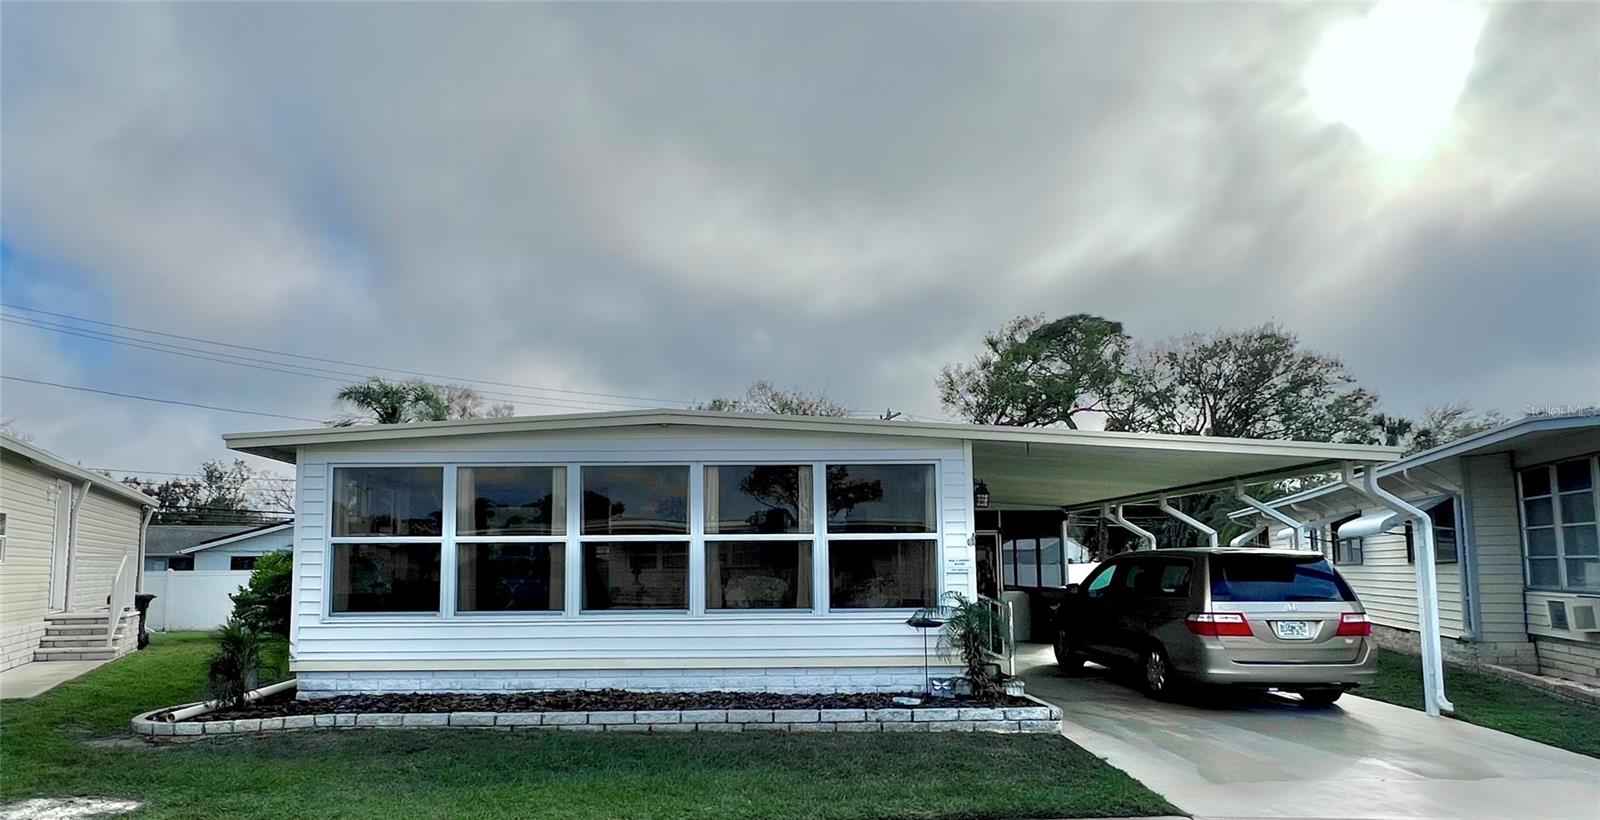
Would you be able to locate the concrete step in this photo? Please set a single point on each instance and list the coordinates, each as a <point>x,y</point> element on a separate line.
<point>69,631</point>
<point>89,641</point>
<point>76,620</point>
<point>74,654</point>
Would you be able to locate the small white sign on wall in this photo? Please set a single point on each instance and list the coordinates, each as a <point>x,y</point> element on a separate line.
<point>958,565</point>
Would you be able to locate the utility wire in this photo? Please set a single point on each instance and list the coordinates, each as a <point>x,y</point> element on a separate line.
<point>344,363</point>
<point>182,475</point>
<point>160,401</point>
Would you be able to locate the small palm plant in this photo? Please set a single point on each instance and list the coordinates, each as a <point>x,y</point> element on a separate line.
<point>971,630</point>
<point>236,667</point>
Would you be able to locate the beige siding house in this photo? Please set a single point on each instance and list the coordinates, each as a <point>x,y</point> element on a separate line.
<point>1514,515</point>
<point>70,553</point>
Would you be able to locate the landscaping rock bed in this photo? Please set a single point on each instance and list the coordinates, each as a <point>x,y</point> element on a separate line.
<point>595,700</point>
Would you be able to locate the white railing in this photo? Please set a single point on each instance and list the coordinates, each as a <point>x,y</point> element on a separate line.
<point>1001,643</point>
<point>121,599</point>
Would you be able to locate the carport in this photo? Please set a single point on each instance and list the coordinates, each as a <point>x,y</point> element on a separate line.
<point>1025,473</point>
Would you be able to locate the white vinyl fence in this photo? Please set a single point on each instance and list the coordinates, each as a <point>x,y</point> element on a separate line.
<point>196,599</point>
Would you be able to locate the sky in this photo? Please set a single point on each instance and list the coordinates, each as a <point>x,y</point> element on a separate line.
<point>628,205</point>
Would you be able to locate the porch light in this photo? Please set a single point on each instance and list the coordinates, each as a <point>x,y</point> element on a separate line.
<point>980,495</point>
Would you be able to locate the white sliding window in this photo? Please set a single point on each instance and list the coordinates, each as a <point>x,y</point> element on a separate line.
<point>635,539</point>
<point>882,536</point>
<point>511,539</point>
<point>758,537</point>
<point>385,544</point>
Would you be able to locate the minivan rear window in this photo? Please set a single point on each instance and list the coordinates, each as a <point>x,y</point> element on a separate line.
<point>1276,578</point>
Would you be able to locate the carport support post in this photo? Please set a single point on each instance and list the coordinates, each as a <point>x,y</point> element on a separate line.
<point>1433,697</point>
<point>1275,514</point>
<point>1116,517</point>
<point>1210,534</point>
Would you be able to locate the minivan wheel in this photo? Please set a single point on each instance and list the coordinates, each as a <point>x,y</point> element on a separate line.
<point>1159,681</point>
<point>1069,662</point>
<point>1320,697</point>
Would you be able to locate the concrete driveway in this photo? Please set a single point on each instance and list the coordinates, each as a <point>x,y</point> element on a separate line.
<point>1271,756</point>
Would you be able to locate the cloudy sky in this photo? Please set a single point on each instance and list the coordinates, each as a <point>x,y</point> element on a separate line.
<point>658,203</point>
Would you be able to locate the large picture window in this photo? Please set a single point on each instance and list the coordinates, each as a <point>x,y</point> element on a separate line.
<point>1561,537</point>
<point>872,508</point>
<point>386,548</point>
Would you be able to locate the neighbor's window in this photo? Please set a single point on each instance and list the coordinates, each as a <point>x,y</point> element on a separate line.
<point>635,575</point>
<point>181,563</point>
<point>1346,550</point>
<point>880,498</point>
<point>1445,549</point>
<point>636,500</point>
<point>510,577</point>
<point>238,562</point>
<point>386,577</point>
<point>388,501</point>
<point>511,501</point>
<point>758,574</point>
<point>747,498</point>
<point>2,537</point>
<point>1560,534</point>
<point>872,564</point>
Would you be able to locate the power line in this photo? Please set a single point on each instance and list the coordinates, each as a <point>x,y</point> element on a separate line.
<point>343,377</point>
<point>181,475</point>
<point>345,363</point>
<point>160,401</point>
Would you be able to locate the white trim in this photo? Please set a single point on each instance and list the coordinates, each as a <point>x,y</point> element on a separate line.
<point>229,539</point>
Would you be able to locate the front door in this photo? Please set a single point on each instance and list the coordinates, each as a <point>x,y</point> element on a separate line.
<point>987,551</point>
<point>59,556</point>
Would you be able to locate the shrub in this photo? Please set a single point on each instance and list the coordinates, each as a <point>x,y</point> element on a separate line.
<point>235,668</point>
<point>970,630</point>
<point>262,604</point>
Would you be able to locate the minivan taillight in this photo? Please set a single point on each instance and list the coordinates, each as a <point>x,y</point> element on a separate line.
<point>1354,625</point>
<point>1220,624</point>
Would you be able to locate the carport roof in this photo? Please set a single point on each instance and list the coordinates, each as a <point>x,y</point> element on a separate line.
<point>1023,466</point>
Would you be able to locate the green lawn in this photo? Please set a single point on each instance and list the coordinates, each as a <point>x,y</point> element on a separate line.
<point>1493,702</point>
<point>75,741</point>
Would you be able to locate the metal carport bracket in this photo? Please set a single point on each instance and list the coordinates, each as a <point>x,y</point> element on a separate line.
<point>1210,534</point>
<point>1294,526</point>
<point>1115,516</point>
<point>1433,697</point>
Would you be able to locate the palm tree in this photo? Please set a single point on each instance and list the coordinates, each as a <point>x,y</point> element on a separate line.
<point>388,402</point>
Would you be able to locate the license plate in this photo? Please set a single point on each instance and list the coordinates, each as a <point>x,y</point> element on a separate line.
<point>1292,630</point>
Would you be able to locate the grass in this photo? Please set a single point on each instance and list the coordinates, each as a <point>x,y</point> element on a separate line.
<point>1493,702</point>
<point>74,741</point>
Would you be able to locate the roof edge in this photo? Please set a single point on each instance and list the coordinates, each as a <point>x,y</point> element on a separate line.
<point>238,536</point>
<point>51,461</point>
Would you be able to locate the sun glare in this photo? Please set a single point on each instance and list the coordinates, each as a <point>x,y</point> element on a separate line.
<point>1394,76</point>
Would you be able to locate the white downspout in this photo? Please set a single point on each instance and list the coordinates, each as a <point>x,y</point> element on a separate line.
<point>1244,537</point>
<point>1210,534</point>
<point>72,540</point>
<point>1295,527</point>
<point>1115,515</point>
<point>144,534</point>
<point>1433,696</point>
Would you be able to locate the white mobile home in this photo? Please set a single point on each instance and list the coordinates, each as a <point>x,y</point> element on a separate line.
<point>70,552</point>
<point>679,549</point>
<point>1518,544</point>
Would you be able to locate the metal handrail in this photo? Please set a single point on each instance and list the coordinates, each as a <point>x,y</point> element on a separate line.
<point>118,602</point>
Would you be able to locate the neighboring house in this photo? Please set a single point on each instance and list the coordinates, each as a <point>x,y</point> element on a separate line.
<point>193,591</point>
<point>688,550</point>
<point>1518,545</point>
<point>70,546</point>
<point>165,543</point>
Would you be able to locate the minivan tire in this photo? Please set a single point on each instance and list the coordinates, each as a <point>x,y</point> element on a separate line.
<point>1068,661</point>
<point>1156,674</point>
<point>1320,697</point>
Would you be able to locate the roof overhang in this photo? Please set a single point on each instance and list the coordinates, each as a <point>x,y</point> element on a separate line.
<point>1023,466</point>
<point>236,537</point>
<point>55,464</point>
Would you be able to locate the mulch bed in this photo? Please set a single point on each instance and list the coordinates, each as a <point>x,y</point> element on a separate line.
<point>582,700</point>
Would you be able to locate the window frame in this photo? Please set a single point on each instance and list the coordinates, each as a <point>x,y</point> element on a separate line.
<point>1557,525</point>
<point>824,594</point>
<point>450,543</point>
<point>817,539</point>
<point>1454,528</point>
<point>1337,544</point>
<point>447,523</point>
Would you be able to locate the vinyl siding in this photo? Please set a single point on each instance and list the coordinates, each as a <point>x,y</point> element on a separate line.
<point>603,639</point>
<point>219,558</point>
<point>28,498</point>
<point>108,531</point>
<point>1491,493</point>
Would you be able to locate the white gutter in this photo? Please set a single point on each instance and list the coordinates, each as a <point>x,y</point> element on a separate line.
<point>72,537</point>
<point>1210,534</point>
<point>1294,526</point>
<point>1433,696</point>
<point>1115,515</point>
<point>1244,537</point>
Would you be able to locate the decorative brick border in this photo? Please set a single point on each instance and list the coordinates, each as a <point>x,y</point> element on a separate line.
<point>1041,718</point>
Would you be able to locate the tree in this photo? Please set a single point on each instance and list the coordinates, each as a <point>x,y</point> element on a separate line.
<point>1256,383</point>
<point>1038,374</point>
<point>1443,424</point>
<point>262,604</point>
<point>221,493</point>
<point>381,401</point>
<point>762,397</point>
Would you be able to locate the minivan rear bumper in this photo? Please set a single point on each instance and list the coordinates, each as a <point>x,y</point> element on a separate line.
<point>1215,667</point>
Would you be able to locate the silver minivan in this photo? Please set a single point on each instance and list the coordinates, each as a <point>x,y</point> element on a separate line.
<point>1259,618</point>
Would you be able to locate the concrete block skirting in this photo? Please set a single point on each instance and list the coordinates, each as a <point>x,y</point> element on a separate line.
<point>1040,718</point>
